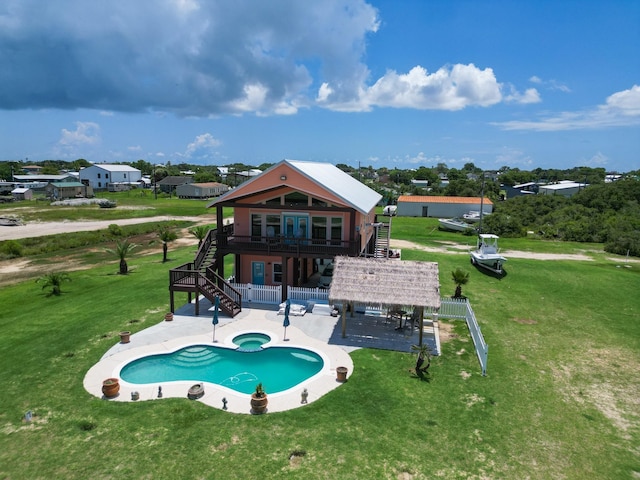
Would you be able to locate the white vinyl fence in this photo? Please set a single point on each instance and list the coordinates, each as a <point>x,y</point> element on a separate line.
<point>458,308</point>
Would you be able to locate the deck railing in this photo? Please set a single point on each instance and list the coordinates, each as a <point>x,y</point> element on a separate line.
<point>286,245</point>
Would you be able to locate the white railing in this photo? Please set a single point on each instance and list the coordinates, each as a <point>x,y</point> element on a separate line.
<point>482,349</point>
<point>461,308</point>
<point>306,294</point>
<point>453,308</point>
<point>267,294</point>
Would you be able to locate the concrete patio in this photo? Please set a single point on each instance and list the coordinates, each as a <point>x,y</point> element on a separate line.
<point>319,332</point>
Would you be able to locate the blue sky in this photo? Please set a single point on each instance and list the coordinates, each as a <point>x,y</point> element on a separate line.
<point>395,83</point>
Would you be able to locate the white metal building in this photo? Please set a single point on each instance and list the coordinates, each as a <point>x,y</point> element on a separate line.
<point>440,206</point>
<point>99,176</point>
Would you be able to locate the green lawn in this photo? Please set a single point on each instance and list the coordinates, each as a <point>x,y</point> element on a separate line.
<point>560,399</point>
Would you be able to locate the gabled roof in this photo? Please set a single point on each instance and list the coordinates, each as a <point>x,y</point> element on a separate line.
<point>115,168</point>
<point>42,178</point>
<point>208,184</point>
<point>441,199</point>
<point>350,191</point>
<point>66,184</point>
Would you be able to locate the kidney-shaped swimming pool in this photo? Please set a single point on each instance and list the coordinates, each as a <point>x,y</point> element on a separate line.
<point>277,368</point>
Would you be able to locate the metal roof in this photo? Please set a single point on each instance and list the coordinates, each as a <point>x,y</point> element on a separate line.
<point>353,192</point>
<point>441,199</point>
<point>115,168</point>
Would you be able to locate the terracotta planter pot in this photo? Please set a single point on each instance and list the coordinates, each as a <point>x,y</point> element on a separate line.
<point>341,374</point>
<point>110,387</point>
<point>125,337</point>
<point>258,404</point>
<point>168,317</point>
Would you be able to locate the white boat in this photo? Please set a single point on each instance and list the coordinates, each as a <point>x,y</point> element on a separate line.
<point>473,216</point>
<point>454,224</point>
<point>486,254</point>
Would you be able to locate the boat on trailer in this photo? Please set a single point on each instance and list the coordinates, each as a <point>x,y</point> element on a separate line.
<point>487,254</point>
<point>454,224</point>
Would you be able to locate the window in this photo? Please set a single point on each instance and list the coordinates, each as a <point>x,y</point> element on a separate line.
<point>125,175</point>
<point>106,175</point>
<point>256,227</point>
<point>99,184</point>
<point>319,229</point>
<point>296,198</point>
<point>273,225</point>
<point>336,230</point>
<point>99,175</point>
<point>277,273</point>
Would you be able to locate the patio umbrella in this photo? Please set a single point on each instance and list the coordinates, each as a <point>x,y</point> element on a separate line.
<point>286,322</point>
<point>216,306</point>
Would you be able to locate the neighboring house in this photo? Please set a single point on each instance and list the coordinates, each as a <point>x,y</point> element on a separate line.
<point>528,188</point>
<point>64,177</point>
<point>22,193</point>
<point>62,190</point>
<point>420,183</point>
<point>201,190</point>
<point>32,169</point>
<point>440,206</point>
<point>565,188</point>
<point>170,183</point>
<point>99,176</point>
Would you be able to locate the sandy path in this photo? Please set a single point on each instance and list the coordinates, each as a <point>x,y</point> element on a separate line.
<point>464,249</point>
<point>39,229</point>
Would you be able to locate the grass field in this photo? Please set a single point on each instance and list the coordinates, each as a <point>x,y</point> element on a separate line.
<point>561,398</point>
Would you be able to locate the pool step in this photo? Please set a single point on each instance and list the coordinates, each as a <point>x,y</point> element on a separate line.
<point>195,356</point>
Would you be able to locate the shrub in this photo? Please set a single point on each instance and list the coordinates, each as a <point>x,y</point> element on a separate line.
<point>115,230</point>
<point>12,249</point>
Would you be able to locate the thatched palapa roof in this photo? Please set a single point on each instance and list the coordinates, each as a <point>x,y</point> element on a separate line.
<point>385,282</point>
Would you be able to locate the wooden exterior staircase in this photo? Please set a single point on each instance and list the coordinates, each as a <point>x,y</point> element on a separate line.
<point>200,278</point>
<point>383,239</point>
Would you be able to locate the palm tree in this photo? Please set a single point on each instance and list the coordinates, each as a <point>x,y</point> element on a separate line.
<point>54,281</point>
<point>200,232</point>
<point>459,277</point>
<point>123,248</point>
<point>423,355</point>
<point>166,235</point>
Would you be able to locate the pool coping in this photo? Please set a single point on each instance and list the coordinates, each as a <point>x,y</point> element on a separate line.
<point>186,329</point>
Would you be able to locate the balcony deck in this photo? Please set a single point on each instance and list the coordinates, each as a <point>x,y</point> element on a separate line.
<point>289,246</point>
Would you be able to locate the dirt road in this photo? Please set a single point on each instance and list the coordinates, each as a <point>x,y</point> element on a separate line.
<point>464,250</point>
<point>39,229</point>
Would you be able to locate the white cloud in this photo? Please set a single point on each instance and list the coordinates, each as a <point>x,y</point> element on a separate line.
<point>202,147</point>
<point>86,133</point>
<point>598,159</point>
<point>449,88</point>
<point>530,95</point>
<point>550,84</point>
<point>189,57</point>
<point>622,109</point>
<point>134,148</point>
<point>513,157</point>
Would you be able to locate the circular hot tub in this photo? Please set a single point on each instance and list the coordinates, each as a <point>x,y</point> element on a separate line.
<point>251,341</point>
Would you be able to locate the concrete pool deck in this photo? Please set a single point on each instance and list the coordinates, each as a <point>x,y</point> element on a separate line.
<point>320,333</point>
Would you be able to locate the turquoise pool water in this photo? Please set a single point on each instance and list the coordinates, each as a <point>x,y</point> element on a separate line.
<point>277,368</point>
